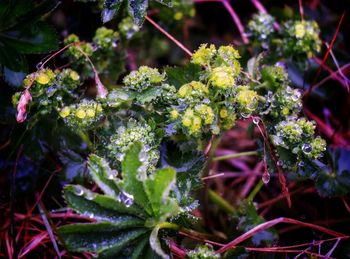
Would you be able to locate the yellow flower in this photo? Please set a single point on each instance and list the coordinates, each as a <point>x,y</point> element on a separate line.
<point>64,112</point>
<point>222,77</point>
<point>196,124</point>
<point>90,112</point>
<point>285,111</point>
<point>178,16</point>
<point>43,78</point>
<point>184,90</point>
<point>74,76</point>
<point>174,114</point>
<point>247,99</point>
<point>299,30</point>
<point>80,113</point>
<point>186,121</point>
<point>204,55</point>
<point>223,113</point>
<point>189,113</point>
<point>199,86</point>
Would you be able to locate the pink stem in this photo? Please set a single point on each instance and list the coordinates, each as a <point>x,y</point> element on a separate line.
<point>179,44</point>
<point>258,5</point>
<point>236,19</point>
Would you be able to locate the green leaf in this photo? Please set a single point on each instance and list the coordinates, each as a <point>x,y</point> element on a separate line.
<point>178,76</point>
<point>23,12</point>
<point>168,3</point>
<point>101,173</point>
<point>137,9</point>
<point>157,188</point>
<point>131,183</point>
<point>13,65</point>
<point>11,10</point>
<point>124,250</point>
<point>110,7</point>
<point>336,181</point>
<point>31,38</point>
<point>98,236</point>
<point>247,218</point>
<point>188,166</point>
<point>100,207</point>
<point>148,95</point>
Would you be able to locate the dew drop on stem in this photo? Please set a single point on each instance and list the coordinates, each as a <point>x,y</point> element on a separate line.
<point>265,178</point>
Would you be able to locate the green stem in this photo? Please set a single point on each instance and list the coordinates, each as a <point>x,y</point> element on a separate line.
<point>169,226</point>
<point>86,139</point>
<point>214,144</point>
<point>255,190</point>
<point>236,155</point>
<point>222,203</point>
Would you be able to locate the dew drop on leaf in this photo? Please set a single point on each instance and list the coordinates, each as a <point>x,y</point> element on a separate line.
<point>78,191</point>
<point>307,148</point>
<point>126,198</point>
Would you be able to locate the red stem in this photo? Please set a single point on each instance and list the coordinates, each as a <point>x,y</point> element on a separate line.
<point>328,50</point>
<point>272,223</point>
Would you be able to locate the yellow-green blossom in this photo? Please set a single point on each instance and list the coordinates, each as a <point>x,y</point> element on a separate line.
<point>64,112</point>
<point>247,99</point>
<point>204,54</point>
<point>222,77</point>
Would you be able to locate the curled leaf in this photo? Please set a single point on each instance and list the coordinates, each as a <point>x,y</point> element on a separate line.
<point>22,106</point>
<point>101,89</point>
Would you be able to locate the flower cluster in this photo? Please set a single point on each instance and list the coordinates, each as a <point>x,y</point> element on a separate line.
<point>143,78</point>
<point>298,135</point>
<point>75,50</point>
<point>261,27</point>
<point>82,115</point>
<point>203,252</point>
<point>49,89</point>
<point>224,61</point>
<point>106,38</point>
<point>209,105</point>
<point>301,39</point>
<point>128,28</point>
<point>126,136</point>
<point>281,100</point>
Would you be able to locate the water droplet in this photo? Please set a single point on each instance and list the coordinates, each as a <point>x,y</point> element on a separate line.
<point>78,191</point>
<point>143,157</point>
<point>107,15</point>
<point>265,178</point>
<point>112,174</point>
<point>89,196</point>
<point>296,96</point>
<point>307,148</point>
<point>245,115</point>
<point>126,198</point>
<point>269,96</point>
<point>301,163</point>
<point>256,121</point>
<point>289,90</point>
<point>114,43</point>
<point>91,215</point>
<point>279,162</point>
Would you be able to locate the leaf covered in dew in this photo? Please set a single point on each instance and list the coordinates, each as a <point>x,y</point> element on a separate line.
<point>128,212</point>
